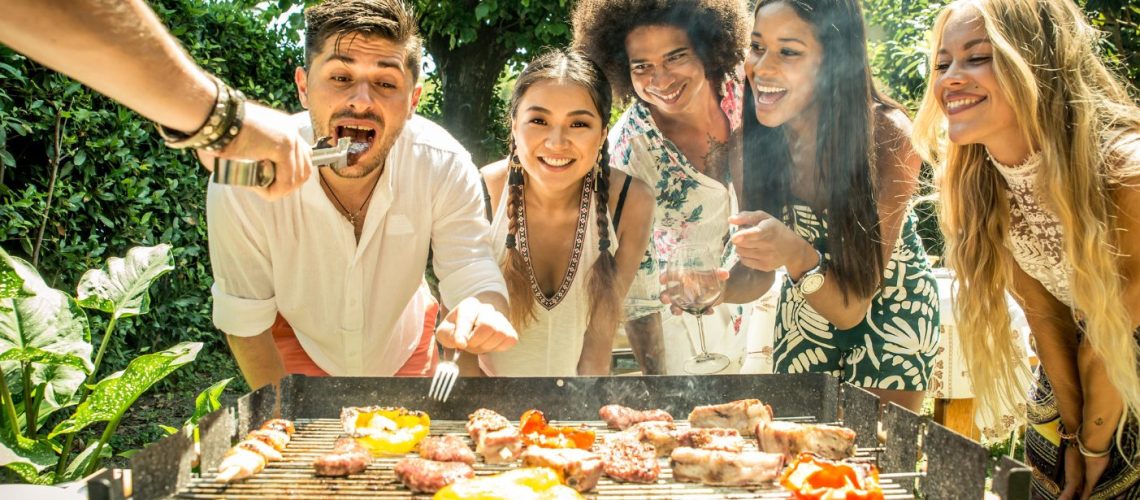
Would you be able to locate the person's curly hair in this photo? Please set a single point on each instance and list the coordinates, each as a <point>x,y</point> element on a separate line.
<point>718,30</point>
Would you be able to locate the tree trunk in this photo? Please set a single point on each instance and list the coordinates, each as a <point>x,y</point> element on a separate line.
<point>468,75</point>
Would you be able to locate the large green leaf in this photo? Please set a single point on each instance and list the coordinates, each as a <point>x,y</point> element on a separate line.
<point>11,284</point>
<point>80,463</point>
<point>26,457</point>
<point>112,396</point>
<point>49,329</point>
<point>121,288</point>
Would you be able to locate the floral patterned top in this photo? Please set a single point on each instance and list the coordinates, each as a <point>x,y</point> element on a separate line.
<point>690,205</point>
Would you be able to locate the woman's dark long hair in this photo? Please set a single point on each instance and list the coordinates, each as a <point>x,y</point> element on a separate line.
<point>573,67</point>
<point>845,154</point>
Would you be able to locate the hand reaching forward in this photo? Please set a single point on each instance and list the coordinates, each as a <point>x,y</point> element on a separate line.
<point>765,243</point>
<point>476,327</point>
<point>270,135</point>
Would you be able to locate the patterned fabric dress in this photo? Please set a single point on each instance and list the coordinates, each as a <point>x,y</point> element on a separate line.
<point>691,207</point>
<point>893,347</point>
<point>1036,241</point>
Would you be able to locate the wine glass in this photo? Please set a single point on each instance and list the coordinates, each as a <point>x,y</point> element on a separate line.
<point>693,286</point>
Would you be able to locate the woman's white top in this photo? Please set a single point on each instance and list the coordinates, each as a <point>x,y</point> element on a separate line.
<point>551,343</point>
<point>1035,237</point>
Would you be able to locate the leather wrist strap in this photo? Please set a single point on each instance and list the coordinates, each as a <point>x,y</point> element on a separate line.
<point>220,127</point>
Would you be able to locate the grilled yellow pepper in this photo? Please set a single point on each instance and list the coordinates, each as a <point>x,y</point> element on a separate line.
<point>386,431</point>
<point>532,483</point>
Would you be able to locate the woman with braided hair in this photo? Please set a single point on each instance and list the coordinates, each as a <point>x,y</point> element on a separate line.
<point>569,231</point>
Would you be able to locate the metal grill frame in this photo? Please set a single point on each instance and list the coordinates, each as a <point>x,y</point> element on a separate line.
<point>957,467</point>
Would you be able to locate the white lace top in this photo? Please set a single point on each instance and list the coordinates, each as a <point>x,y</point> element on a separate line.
<point>1036,238</point>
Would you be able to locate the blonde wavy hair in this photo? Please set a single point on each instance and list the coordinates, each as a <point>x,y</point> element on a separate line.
<point>1075,111</point>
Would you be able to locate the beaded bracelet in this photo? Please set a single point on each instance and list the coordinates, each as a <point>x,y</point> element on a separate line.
<point>220,127</point>
<point>1085,451</point>
<point>1065,436</point>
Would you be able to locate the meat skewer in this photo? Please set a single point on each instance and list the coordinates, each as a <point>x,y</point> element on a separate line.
<point>790,439</point>
<point>742,415</point>
<point>430,476</point>
<point>448,448</point>
<point>621,417</point>
<point>725,468</point>
<point>347,457</point>
<point>259,447</point>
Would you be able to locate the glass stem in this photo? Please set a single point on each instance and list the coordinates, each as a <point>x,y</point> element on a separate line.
<point>701,334</point>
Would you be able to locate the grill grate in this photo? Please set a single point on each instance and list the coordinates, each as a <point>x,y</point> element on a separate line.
<point>293,477</point>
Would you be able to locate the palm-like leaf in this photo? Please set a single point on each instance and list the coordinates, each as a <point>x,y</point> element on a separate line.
<point>121,288</point>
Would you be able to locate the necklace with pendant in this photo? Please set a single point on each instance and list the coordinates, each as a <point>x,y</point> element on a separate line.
<point>352,217</point>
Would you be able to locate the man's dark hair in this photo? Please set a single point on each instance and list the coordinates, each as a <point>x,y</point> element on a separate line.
<point>390,19</point>
<point>718,30</point>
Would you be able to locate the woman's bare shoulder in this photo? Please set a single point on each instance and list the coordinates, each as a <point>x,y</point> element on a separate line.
<point>638,196</point>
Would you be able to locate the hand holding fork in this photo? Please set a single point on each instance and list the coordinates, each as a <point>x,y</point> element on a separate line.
<point>476,326</point>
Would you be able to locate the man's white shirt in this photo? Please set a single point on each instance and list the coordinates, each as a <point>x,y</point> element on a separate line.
<point>354,307</point>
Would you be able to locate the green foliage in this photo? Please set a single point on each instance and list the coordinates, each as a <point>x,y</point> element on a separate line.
<point>45,358</point>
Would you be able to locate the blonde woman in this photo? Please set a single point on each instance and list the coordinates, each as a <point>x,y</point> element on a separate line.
<point>1040,191</point>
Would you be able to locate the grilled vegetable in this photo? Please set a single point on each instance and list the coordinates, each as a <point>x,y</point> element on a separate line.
<point>535,431</point>
<point>532,483</point>
<point>386,431</point>
<point>813,478</point>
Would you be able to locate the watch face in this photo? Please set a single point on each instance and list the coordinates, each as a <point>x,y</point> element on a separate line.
<point>811,283</point>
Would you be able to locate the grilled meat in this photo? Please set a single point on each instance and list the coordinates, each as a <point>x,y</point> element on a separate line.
<point>661,435</point>
<point>742,415</point>
<point>347,457</point>
<point>281,425</point>
<point>240,463</point>
<point>578,468</point>
<point>790,438</point>
<point>710,439</point>
<point>725,468</point>
<point>446,449</point>
<point>259,447</point>
<point>627,459</point>
<point>621,417</point>
<point>496,439</point>
<point>277,439</point>
<point>429,476</point>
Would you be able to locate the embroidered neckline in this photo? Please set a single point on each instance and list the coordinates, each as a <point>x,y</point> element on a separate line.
<point>575,254</point>
<point>1026,167</point>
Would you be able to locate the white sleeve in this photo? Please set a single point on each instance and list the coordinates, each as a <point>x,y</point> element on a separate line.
<point>244,303</point>
<point>460,234</point>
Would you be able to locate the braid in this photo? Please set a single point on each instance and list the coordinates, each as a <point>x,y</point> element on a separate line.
<point>605,303</point>
<point>518,288</point>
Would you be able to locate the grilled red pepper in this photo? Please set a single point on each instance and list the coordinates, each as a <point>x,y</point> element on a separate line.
<point>813,478</point>
<point>536,431</point>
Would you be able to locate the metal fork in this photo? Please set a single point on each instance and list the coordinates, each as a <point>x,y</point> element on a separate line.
<point>446,373</point>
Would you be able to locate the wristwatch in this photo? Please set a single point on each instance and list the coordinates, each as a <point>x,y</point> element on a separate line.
<point>812,280</point>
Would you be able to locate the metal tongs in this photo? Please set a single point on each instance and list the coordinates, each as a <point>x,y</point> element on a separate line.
<point>260,173</point>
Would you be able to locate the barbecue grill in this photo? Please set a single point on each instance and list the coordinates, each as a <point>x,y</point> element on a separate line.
<point>956,466</point>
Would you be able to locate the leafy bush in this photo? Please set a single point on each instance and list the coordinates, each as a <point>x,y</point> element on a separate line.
<point>82,177</point>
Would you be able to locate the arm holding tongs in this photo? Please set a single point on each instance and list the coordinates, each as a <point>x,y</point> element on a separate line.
<point>260,173</point>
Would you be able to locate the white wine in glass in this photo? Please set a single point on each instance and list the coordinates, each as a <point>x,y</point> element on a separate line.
<point>693,286</point>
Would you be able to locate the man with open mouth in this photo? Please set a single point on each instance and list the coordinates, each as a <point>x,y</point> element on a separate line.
<point>330,279</point>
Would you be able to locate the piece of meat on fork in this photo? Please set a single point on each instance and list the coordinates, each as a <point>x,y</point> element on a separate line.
<point>347,457</point>
<point>626,459</point>
<point>497,440</point>
<point>742,415</point>
<point>725,468</point>
<point>621,417</point>
<point>578,468</point>
<point>446,448</point>
<point>790,439</point>
<point>429,476</point>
